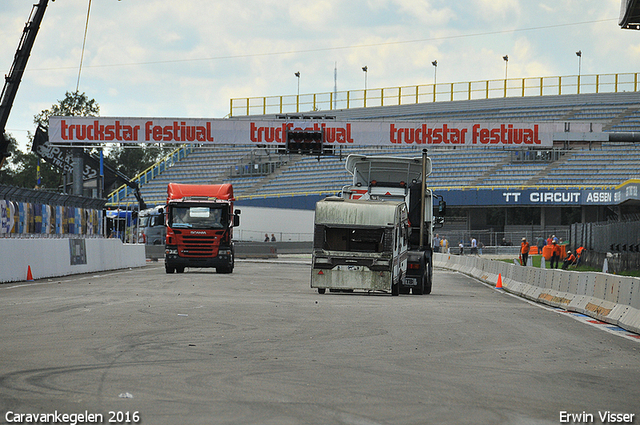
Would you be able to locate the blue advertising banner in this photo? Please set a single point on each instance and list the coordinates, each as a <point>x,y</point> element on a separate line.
<point>627,191</point>
<point>528,197</point>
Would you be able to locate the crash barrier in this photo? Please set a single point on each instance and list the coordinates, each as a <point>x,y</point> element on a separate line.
<point>256,250</point>
<point>609,298</point>
<point>154,252</point>
<point>26,259</point>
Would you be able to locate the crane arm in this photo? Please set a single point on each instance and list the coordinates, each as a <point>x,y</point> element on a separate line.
<point>12,80</point>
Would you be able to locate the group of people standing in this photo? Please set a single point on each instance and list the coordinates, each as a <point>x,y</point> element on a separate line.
<point>442,245</point>
<point>556,253</point>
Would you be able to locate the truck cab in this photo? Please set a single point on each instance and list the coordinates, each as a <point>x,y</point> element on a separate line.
<point>359,245</point>
<point>200,221</point>
<point>152,230</point>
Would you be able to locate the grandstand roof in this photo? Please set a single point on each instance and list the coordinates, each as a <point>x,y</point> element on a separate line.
<point>614,110</point>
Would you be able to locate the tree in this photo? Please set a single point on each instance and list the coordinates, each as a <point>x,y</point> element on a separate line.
<point>130,161</point>
<point>74,104</point>
<point>22,169</point>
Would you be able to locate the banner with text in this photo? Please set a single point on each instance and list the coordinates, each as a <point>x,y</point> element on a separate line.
<point>91,130</point>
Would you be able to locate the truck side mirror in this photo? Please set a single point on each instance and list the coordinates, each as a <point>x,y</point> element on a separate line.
<point>236,218</point>
<point>442,208</point>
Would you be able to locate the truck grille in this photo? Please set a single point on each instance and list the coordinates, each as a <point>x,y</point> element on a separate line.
<point>198,245</point>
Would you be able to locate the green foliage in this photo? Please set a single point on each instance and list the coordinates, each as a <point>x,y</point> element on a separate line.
<point>21,167</point>
<point>74,104</point>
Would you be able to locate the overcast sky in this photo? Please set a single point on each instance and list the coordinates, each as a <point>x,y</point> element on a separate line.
<point>188,58</point>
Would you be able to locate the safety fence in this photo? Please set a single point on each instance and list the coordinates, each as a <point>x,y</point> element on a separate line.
<point>616,241</point>
<point>38,213</point>
<point>422,93</point>
<point>610,298</point>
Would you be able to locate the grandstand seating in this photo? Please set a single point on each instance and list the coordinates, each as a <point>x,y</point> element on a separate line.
<point>606,165</point>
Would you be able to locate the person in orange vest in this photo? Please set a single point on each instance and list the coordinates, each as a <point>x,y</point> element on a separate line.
<point>579,252</point>
<point>568,261</point>
<point>555,257</point>
<point>524,251</point>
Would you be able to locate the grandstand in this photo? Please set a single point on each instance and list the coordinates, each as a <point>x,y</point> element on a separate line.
<point>467,176</point>
<point>591,165</point>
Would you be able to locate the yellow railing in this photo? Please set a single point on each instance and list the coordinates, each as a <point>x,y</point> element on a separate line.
<point>391,96</point>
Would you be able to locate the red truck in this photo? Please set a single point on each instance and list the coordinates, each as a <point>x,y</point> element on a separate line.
<point>200,221</point>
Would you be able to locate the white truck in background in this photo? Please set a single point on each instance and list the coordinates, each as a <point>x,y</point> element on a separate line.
<point>152,230</point>
<point>400,179</point>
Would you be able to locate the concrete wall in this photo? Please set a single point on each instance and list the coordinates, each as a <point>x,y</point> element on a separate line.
<point>53,257</point>
<point>606,297</point>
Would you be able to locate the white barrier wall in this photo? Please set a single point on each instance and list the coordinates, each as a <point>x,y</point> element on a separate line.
<point>609,298</point>
<point>53,257</point>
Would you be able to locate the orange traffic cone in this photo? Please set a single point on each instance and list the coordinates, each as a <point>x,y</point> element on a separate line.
<point>499,284</point>
<point>29,275</point>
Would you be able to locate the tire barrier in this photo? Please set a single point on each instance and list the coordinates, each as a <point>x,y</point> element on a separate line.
<point>609,298</point>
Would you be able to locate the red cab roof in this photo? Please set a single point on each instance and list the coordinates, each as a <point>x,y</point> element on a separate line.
<point>219,191</point>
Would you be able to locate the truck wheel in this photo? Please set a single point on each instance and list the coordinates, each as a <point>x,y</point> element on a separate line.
<point>428,279</point>
<point>179,269</point>
<point>169,270</point>
<point>419,288</point>
<point>225,270</point>
<point>321,291</point>
<point>228,268</point>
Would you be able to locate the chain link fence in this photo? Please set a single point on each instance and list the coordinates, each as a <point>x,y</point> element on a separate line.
<point>617,242</point>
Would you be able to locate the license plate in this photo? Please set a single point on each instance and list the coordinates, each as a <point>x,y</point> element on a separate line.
<point>349,268</point>
<point>410,281</point>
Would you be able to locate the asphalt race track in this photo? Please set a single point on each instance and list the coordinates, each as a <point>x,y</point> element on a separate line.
<point>259,346</point>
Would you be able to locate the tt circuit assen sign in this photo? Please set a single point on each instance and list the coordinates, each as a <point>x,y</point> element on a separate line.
<point>530,197</point>
<point>90,130</point>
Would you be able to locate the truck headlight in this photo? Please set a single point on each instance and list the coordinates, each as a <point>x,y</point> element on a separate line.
<point>171,251</point>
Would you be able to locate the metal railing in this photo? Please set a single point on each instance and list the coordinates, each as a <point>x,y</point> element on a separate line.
<point>392,96</point>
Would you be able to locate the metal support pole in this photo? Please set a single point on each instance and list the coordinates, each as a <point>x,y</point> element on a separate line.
<point>424,193</point>
<point>78,168</point>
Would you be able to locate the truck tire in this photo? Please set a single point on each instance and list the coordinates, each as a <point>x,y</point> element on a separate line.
<point>395,287</point>
<point>179,269</point>
<point>428,279</point>
<point>169,270</point>
<point>321,291</point>
<point>228,268</point>
<point>419,288</point>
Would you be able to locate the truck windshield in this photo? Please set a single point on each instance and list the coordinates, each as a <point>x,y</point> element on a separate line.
<point>198,217</point>
<point>354,240</point>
